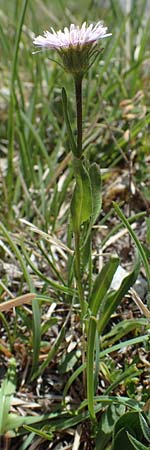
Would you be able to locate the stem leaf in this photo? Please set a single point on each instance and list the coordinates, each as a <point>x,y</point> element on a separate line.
<point>81,205</point>
<point>102,284</point>
<point>95,178</point>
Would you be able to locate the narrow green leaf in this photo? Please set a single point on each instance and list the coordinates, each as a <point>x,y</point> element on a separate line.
<point>145,426</point>
<point>72,378</point>
<point>27,442</point>
<point>6,324</point>
<point>147,219</point>
<point>35,303</point>
<point>128,373</point>
<point>69,361</point>
<point>7,391</point>
<point>39,142</point>
<point>114,298</point>
<point>136,444</point>
<point>102,284</point>
<point>18,255</point>
<point>95,177</point>
<point>81,205</point>
<point>115,229</point>
<point>36,335</point>
<point>90,366</point>
<point>143,43</point>
<point>48,436</point>
<point>136,240</point>
<point>124,344</point>
<point>49,281</point>
<point>111,53</point>
<point>121,329</point>
<point>105,400</point>
<point>61,421</point>
<point>11,121</point>
<point>51,353</point>
<point>107,351</point>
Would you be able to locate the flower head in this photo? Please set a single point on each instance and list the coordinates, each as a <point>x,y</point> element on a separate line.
<point>75,45</point>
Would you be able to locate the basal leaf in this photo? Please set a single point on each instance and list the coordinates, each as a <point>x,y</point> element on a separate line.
<point>129,422</point>
<point>145,427</point>
<point>106,425</point>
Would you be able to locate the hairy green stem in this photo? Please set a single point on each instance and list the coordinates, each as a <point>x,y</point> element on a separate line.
<point>78,92</point>
<point>78,275</point>
<point>78,272</point>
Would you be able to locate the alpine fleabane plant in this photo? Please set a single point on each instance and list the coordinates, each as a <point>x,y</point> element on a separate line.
<point>78,48</point>
<point>75,45</point>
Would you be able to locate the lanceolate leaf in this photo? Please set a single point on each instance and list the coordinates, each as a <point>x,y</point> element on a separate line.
<point>145,426</point>
<point>147,220</point>
<point>102,284</point>
<point>95,178</point>
<point>81,205</point>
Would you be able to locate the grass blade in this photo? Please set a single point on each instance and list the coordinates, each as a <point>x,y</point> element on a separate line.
<point>11,107</point>
<point>7,390</point>
<point>136,240</point>
<point>35,303</point>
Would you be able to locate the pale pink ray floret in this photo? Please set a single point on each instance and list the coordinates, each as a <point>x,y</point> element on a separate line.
<point>71,37</point>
